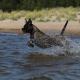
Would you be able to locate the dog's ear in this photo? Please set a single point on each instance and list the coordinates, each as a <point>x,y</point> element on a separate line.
<point>26,20</point>
<point>30,21</point>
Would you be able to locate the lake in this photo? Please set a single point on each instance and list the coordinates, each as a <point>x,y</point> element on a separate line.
<point>18,63</point>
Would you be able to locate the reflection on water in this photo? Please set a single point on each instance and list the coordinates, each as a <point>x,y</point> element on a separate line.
<point>18,63</point>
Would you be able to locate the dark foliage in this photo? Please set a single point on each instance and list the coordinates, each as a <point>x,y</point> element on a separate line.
<point>9,5</point>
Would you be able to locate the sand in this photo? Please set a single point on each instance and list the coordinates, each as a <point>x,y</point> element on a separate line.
<point>50,28</point>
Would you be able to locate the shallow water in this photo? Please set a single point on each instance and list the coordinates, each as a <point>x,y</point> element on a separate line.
<point>16,63</point>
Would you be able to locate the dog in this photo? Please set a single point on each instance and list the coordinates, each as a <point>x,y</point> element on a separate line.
<point>40,39</point>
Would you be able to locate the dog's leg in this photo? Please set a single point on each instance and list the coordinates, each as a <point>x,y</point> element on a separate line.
<point>31,43</point>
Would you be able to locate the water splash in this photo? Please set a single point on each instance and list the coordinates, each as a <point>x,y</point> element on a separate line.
<point>71,48</point>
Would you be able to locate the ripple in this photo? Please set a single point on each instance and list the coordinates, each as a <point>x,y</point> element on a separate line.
<point>4,72</point>
<point>37,57</point>
<point>40,78</point>
<point>20,62</point>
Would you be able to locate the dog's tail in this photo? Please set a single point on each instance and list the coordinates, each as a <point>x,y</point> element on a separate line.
<point>63,29</point>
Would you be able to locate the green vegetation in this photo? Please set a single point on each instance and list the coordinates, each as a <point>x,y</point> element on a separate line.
<point>9,5</point>
<point>52,14</point>
<point>39,10</point>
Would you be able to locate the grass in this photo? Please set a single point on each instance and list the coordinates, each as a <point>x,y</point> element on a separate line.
<point>54,14</point>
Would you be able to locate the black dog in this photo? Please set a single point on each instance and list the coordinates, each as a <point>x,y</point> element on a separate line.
<point>41,39</point>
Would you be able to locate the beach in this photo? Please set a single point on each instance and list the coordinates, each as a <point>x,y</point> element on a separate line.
<point>50,28</point>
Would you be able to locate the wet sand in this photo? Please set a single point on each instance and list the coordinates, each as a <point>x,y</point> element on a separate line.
<point>73,27</point>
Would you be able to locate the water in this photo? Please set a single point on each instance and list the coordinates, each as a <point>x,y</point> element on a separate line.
<point>18,63</point>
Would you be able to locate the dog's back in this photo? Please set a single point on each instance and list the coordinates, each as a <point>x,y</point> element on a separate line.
<point>45,41</point>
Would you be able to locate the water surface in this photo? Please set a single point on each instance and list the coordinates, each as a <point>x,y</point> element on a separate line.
<point>16,63</point>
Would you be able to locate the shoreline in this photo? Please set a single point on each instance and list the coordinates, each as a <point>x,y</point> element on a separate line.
<point>11,26</point>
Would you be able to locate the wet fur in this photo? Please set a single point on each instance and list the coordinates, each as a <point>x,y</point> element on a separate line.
<point>45,41</point>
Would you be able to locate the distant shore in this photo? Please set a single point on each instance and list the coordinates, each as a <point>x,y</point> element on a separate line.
<point>73,27</point>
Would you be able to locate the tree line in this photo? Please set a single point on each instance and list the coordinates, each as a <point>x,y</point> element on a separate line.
<point>9,5</point>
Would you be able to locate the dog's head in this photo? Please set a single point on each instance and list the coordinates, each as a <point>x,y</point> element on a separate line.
<point>28,27</point>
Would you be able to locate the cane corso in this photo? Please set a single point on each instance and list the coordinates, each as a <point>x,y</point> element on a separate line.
<point>40,39</point>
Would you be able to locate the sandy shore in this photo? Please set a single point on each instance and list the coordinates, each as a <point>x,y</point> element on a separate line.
<point>73,28</point>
